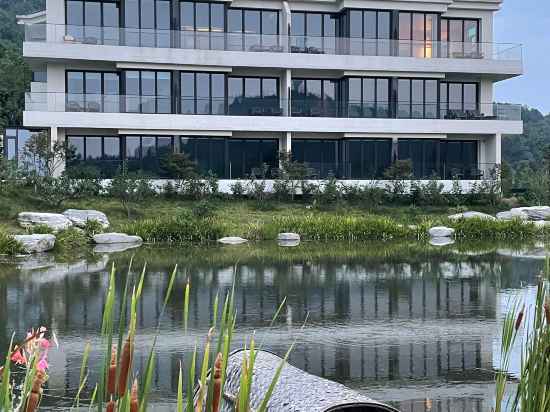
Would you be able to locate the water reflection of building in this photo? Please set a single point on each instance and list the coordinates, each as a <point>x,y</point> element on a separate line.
<point>370,325</point>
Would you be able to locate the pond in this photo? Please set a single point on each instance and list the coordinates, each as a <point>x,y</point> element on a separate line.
<point>405,323</point>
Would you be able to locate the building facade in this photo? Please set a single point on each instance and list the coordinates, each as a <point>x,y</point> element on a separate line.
<point>346,86</point>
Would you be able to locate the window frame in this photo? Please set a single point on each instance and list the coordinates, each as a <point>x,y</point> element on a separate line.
<point>411,102</point>
<point>210,94</point>
<point>322,101</point>
<point>375,103</point>
<point>84,92</point>
<point>434,42</point>
<point>444,106</point>
<point>102,26</point>
<point>141,95</point>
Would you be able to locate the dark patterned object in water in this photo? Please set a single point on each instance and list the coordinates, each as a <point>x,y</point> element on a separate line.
<point>296,390</point>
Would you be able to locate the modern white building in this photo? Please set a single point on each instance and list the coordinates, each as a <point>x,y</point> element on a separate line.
<point>347,86</point>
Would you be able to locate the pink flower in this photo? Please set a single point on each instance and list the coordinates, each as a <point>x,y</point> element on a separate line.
<point>44,344</point>
<point>19,358</point>
<point>42,365</point>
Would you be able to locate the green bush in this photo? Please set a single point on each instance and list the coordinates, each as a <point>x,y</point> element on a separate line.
<point>349,228</point>
<point>40,229</point>
<point>71,240</point>
<point>8,244</point>
<point>495,229</point>
<point>182,228</point>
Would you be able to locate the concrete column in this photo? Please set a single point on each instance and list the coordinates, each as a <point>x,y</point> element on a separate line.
<point>285,142</point>
<point>56,87</point>
<point>55,19</point>
<point>57,135</point>
<point>486,97</point>
<point>285,19</point>
<point>286,84</point>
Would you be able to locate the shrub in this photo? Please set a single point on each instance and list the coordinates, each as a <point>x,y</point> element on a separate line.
<point>494,229</point>
<point>129,188</point>
<point>398,173</point>
<point>92,227</point>
<point>203,209</point>
<point>8,244</point>
<point>185,227</point>
<point>238,189</point>
<point>40,229</point>
<point>71,239</point>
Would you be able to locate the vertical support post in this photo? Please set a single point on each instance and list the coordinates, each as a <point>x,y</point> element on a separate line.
<point>286,84</point>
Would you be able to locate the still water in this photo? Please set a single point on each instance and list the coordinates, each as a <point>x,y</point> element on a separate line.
<point>405,323</point>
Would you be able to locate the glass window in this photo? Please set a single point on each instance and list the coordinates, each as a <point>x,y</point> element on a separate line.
<point>270,23</point>
<point>75,12</point>
<point>93,148</point>
<point>252,21</point>
<point>217,17</point>
<point>218,93</point>
<point>203,93</point>
<point>132,82</point>
<point>148,91</point>
<point>370,21</point>
<point>298,25</point>
<point>111,148</point>
<point>417,99</point>
<point>163,14</point>
<point>111,83</point>
<point>75,82</point>
<point>187,15</point>
<point>455,96</point>
<point>314,24</point>
<point>356,23</point>
<point>234,20</point>
<point>187,93</point>
<point>76,146</point>
<point>235,89</point>
<point>93,83</point>
<point>384,24</point>
<point>470,96</point>
<point>92,16</point>
<point>430,99</point>
<point>202,11</point>
<point>252,87</point>
<point>382,97</point>
<point>329,25</point>
<point>147,14</point>
<point>269,88</point>
<point>133,147</point>
<point>403,98</point>
<point>111,14</point>
<point>470,31</point>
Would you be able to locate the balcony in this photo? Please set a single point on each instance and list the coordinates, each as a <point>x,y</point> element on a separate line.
<point>308,107</point>
<point>239,42</point>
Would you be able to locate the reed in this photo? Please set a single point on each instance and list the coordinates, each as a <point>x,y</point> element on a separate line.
<point>533,388</point>
<point>8,245</point>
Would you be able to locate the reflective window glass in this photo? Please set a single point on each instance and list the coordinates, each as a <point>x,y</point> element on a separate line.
<point>252,21</point>
<point>76,146</point>
<point>75,82</point>
<point>298,25</point>
<point>252,87</point>
<point>270,24</point>
<point>314,24</point>
<point>133,147</point>
<point>92,13</point>
<point>234,20</point>
<point>93,148</point>
<point>75,12</point>
<point>217,17</point>
<point>111,14</point>
<point>202,12</point>
<point>111,148</point>
<point>356,23</point>
<point>131,13</point>
<point>187,15</point>
<point>269,88</point>
<point>147,14</point>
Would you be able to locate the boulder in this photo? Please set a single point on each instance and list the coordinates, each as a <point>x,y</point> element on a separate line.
<point>508,215</point>
<point>108,238</point>
<point>441,241</point>
<point>541,223</point>
<point>36,243</point>
<point>288,236</point>
<point>80,217</point>
<point>471,215</point>
<point>441,231</point>
<point>232,240</point>
<point>55,221</point>
<point>532,212</point>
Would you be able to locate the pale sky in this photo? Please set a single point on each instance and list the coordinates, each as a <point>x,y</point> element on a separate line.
<point>526,22</point>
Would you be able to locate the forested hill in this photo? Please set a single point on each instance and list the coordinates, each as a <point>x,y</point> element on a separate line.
<point>522,151</point>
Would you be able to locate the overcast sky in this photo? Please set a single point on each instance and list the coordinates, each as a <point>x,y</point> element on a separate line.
<point>526,22</point>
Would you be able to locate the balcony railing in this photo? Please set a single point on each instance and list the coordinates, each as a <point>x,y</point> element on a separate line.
<point>267,106</point>
<point>272,43</point>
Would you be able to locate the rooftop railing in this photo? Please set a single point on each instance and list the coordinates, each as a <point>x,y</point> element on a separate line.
<point>267,106</point>
<point>272,43</point>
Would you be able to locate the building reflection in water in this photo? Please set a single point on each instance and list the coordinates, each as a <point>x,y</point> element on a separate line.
<point>420,335</point>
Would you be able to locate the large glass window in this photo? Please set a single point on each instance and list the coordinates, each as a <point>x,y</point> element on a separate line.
<point>460,38</point>
<point>147,154</point>
<point>253,29</point>
<point>369,32</point>
<point>314,97</point>
<point>368,97</point>
<point>202,93</point>
<point>147,23</point>
<point>92,91</point>
<point>321,155</point>
<point>93,21</point>
<point>253,96</point>
<point>148,91</point>
<point>96,155</point>
<point>313,32</point>
<point>424,155</point>
<point>202,25</point>
<point>416,98</point>
<point>418,34</point>
<point>366,158</point>
<point>252,157</point>
<point>459,101</point>
<point>209,154</point>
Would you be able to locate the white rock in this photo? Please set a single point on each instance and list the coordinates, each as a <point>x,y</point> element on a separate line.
<point>441,231</point>
<point>288,243</point>
<point>471,215</point>
<point>80,217</point>
<point>508,215</point>
<point>107,238</point>
<point>232,240</point>
<point>36,243</point>
<point>441,241</point>
<point>541,223</point>
<point>288,236</point>
<point>54,221</point>
<point>532,212</point>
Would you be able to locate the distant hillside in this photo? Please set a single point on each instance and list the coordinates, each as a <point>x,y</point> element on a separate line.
<point>9,30</point>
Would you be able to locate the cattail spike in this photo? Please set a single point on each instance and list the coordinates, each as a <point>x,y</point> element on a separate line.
<point>125,366</point>
<point>519,319</point>
<point>217,383</point>
<point>111,377</point>
<point>134,403</point>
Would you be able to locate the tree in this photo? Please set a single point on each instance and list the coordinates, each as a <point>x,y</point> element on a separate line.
<point>15,77</point>
<point>44,159</point>
<point>129,188</point>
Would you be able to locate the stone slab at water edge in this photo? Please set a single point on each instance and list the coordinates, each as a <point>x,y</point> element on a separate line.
<point>441,231</point>
<point>288,236</point>
<point>471,215</point>
<point>108,238</point>
<point>232,240</point>
<point>526,213</point>
<point>55,221</point>
<point>80,217</point>
<point>36,243</point>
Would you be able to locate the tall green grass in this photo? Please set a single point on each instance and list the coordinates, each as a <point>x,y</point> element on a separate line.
<point>496,229</point>
<point>176,229</point>
<point>347,228</point>
<point>8,244</point>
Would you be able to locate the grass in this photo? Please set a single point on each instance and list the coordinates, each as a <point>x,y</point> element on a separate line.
<point>8,245</point>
